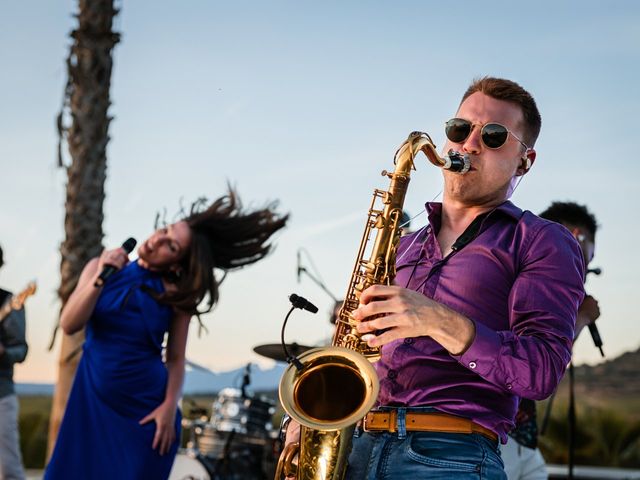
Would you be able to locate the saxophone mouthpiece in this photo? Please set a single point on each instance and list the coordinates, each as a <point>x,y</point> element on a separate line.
<point>457,162</point>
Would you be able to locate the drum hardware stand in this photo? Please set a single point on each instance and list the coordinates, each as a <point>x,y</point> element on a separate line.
<point>224,463</point>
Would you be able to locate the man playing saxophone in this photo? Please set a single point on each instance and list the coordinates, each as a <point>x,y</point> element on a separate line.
<point>482,312</point>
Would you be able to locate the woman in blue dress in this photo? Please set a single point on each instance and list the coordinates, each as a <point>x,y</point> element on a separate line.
<point>121,420</point>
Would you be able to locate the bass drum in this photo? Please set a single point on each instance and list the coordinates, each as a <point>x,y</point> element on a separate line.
<point>186,467</point>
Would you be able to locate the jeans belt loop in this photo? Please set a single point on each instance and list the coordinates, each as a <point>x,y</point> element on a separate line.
<point>402,423</point>
<point>357,432</point>
<point>393,420</point>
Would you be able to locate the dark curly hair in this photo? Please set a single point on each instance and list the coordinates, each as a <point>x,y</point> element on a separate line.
<point>223,236</point>
<point>571,213</point>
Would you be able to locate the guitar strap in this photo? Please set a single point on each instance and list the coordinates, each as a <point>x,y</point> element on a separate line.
<point>4,296</point>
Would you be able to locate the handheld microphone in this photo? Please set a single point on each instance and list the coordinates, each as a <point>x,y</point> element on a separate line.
<point>593,328</point>
<point>302,303</point>
<point>595,335</point>
<point>109,270</point>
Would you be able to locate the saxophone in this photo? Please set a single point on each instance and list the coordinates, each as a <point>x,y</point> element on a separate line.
<point>332,388</point>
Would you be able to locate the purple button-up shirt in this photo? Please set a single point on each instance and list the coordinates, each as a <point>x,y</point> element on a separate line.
<point>520,281</point>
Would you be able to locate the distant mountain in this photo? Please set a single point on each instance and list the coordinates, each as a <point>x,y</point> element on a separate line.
<point>198,381</point>
<point>34,389</point>
<point>202,381</point>
<point>618,376</point>
<point>613,384</point>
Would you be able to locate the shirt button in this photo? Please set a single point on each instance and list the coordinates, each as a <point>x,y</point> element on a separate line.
<point>408,341</point>
<point>509,386</point>
<point>472,365</point>
<point>392,374</point>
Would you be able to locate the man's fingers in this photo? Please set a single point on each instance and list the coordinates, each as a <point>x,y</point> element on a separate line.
<point>382,339</point>
<point>363,312</point>
<point>377,291</point>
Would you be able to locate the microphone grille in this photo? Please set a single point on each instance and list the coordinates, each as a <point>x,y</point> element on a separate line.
<point>129,244</point>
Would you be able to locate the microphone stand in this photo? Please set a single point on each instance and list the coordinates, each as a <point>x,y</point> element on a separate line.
<point>319,283</point>
<point>572,397</point>
<point>572,421</point>
<point>315,279</point>
<point>572,400</point>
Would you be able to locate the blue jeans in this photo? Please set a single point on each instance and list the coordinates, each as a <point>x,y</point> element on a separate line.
<point>424,455</point>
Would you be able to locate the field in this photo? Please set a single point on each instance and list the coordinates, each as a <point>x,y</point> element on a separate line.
<point>34,425</point>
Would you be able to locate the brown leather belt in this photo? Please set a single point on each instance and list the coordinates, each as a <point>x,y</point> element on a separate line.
<point>424,422</point>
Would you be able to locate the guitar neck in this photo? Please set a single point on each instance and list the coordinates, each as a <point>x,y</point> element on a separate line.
<point>16,302</point>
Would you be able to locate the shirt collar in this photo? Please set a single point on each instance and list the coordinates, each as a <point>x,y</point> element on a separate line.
<point>434,211</point>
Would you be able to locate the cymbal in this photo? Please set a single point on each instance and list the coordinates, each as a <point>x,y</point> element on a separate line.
<point>275,352</point>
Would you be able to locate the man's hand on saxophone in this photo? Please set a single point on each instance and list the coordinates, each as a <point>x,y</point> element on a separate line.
<point>406,314</point>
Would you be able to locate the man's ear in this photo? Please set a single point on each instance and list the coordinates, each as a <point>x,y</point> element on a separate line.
<point>526,163</point>
<point>577,234</point>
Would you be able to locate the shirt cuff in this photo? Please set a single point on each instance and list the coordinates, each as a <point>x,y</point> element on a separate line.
<point>481,354</point>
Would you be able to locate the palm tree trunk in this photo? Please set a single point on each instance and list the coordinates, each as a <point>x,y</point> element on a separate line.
<point>87,97</point>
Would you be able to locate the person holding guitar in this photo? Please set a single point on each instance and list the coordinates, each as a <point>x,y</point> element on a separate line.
<point>13,349</point>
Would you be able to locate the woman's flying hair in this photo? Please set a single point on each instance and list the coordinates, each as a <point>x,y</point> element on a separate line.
<point>225,236</point>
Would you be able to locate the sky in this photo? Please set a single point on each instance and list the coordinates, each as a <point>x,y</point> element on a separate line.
<point>305,103</point>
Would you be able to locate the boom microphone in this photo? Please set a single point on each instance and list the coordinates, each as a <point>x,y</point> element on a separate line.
<point>108,270</point>
<point>302,303</point>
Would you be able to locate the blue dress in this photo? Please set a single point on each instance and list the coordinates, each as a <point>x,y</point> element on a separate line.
<point>120,379</point>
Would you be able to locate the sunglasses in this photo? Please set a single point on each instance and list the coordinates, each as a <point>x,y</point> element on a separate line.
<point>494,135</point>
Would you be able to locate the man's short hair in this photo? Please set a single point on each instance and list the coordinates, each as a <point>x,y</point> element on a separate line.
<point>508,91</point>
<point>570,213</point>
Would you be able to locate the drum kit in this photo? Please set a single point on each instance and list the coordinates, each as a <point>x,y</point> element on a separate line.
<point>237,441</point>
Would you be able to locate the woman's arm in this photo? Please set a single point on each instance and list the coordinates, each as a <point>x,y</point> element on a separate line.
<point>165,414</point>
<point>80,305</point>
<point>175,357</point>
